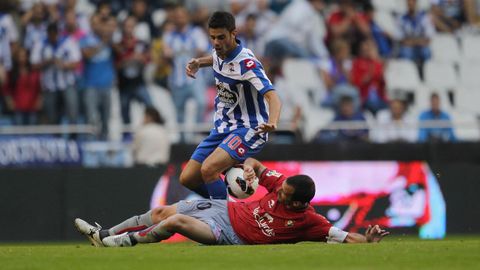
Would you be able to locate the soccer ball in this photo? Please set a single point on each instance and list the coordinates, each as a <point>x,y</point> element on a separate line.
<point>237,186</point>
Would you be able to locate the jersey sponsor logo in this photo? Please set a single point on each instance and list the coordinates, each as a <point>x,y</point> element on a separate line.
<point>271,203</point>
<point>226,96</point>
<point>289,223</point>
<point>273,173</point>
<point>249,63</point>
<point>263,221</point>
<point>241,150</point>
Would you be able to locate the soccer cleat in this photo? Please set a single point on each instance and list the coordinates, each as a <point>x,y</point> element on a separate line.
<point>121,240</point>
<point>91,232</point>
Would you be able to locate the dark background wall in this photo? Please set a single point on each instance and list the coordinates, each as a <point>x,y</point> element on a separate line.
<point>40,204</point>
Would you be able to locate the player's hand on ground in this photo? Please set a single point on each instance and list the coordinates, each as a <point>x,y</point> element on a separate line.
<point>265,128</point>
<point>248,174</point>
<point>375,234</point>
<point>192,67</point>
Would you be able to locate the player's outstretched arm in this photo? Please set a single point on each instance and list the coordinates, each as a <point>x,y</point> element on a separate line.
<point>374,234</point>
<point>274,106</point>
<point>196,63</point>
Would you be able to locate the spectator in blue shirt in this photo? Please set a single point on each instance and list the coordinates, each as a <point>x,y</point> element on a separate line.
<point>99,73</point>
<point>347,111</point>
<point>435,113</point>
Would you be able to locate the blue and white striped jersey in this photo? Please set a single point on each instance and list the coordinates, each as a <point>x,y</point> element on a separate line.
<point>184,46</point>
<point>241,83</point>
<point>53,77</point>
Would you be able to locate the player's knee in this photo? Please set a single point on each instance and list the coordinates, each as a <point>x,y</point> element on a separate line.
<point>157,214</point>
<point>209,172</point>
<point>174,223</point>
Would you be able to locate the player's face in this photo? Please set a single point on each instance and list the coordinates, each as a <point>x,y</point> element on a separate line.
<point>223,41</point>
<point>285,193</point>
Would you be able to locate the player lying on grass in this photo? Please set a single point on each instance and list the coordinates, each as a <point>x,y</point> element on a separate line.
<point>284,215</point>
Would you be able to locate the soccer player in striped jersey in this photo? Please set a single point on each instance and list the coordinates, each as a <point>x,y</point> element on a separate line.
<point>246,109</point>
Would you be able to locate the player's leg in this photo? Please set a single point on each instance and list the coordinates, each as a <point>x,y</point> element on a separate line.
<point>191,178</point>
<point>187,226</point>
<point>95,234</point>
<point>141,222</point>
<point>234,148</point>
<point>216,163</point>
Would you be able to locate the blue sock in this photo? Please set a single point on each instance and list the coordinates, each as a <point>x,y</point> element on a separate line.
<point>202,191</point>
<point>217,190</point>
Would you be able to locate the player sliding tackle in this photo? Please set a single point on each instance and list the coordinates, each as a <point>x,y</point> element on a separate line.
<point>283,215</point>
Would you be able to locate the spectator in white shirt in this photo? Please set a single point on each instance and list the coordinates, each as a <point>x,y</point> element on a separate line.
<point>151,143</point>
<point>35,25</point>
<point>395,124</point>
<point>299,32</point>
<point>58,58</point>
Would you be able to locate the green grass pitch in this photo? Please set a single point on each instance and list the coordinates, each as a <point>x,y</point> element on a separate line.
<point>395,252</point>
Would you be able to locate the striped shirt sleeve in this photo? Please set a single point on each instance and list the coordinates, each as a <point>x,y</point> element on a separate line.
<point>253,72</point>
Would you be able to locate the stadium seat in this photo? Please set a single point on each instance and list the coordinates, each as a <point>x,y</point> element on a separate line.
<point>468,101</point>
<point>422,99</point>
<point>424,4</point>
<point>387,22</point>
<point>162,101</point>
<point>115,122</point>
<point>440,75</point>
<point>315,120</point>
<point>394,6</point>
<point>445,48</point>
<point>402,74</point>
<point>305,81</point>
<point>470,75</point>
<point>465,126</point>
<point>471,45</point>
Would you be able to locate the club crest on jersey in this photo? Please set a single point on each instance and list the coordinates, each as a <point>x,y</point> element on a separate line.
<point>273,173</point>
<point>249,63</point>
<point>289,223</point>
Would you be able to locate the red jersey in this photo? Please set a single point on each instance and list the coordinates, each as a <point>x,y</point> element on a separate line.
<point>363,68</point>
<point>267,221</point>
<point>25,91</point>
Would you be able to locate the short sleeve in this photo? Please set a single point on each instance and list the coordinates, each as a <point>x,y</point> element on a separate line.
<point>319,228</point>
<point>253,72</point>
<point>271,179</point>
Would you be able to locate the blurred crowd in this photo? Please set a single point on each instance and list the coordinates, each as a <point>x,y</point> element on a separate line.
<point>60,60</point>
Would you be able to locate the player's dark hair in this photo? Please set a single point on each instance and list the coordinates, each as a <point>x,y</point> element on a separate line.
<point>222,19</point>
<point>155,115</point>
<point>304,188</point>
